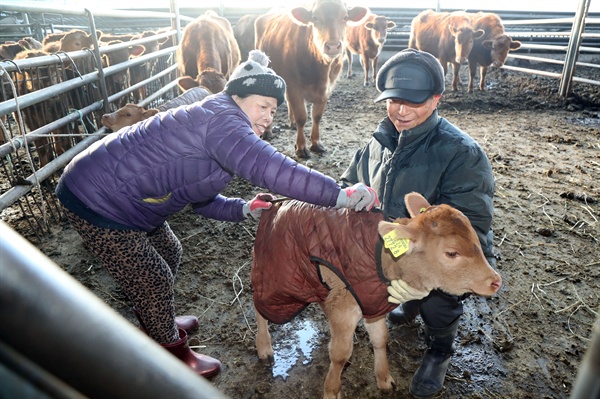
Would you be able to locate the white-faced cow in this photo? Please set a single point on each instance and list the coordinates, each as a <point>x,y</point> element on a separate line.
<point>307,254</point>
<point>447,36</point>
<point>491,49</point>
<point>306,47</point>
<point>208,42</point>
<point>367,40</point>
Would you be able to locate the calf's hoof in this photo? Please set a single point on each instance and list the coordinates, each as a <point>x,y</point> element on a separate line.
<point>302,153</point>
<point>267,360</point>
<point>318,149</point>
<point>388,385</point>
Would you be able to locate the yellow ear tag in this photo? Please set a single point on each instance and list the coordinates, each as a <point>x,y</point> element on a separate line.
<point>422,210</point>
<point>397,246</point>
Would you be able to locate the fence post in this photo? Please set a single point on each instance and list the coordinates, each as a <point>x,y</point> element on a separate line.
<point>566,80</point>
<point>98,57</point>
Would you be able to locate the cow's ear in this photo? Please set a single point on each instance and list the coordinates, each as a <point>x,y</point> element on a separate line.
<point>150,112</point>
<point>415,202</point>
<point>391,24</point>
<point>487,44</point>
<point>136,50</point>
<point>302,15</point>
<point>356,14</point>
<point>398,238</point>
<point>515,45</point>
<point>186,83</point>
<point>369,25</point>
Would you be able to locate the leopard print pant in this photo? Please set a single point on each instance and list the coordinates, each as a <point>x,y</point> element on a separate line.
<point>144,265</point>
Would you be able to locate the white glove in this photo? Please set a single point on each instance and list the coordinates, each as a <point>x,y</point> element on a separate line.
<point>401,292</point>
<point>256,205</point>
<point>358,197</point>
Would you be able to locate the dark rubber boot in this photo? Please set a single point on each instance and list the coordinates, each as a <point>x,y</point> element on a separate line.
<point>187,323</point>
<point>204,365</point>
<point>429,377</point>
<point>405,313</point>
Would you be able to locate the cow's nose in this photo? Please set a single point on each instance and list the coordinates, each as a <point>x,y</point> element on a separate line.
<point>333,48</point>
<point>497,64</point>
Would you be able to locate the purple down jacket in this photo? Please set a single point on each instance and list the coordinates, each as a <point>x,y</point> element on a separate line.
<point>294,238</point>
<point>144,173</point>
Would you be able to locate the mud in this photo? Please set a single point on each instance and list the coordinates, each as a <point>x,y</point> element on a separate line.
<point>525,342</point>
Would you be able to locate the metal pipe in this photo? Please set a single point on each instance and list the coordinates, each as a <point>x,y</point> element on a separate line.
<point>86,344</point>
<point>566,81</point>
<point>587,382</point>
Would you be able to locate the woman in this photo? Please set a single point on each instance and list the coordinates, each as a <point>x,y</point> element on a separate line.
<point>120,192</point>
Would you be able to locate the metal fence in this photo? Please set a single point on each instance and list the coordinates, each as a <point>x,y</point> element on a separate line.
<point>51,106</point>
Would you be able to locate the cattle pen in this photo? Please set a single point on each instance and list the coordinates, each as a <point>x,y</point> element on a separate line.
<point>564,47</point>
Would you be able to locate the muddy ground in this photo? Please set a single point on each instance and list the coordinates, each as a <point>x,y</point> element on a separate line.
<point>526,342</point>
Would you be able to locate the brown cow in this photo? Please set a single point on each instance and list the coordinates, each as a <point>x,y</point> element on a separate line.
<point>307,254</point>
<point>142,71</point>
<point>243,31</point>
<point>42,113</point>
<point>447,36</point>
<point>208,42</point>
<point>490,49</point>
<point>8,50</point>
<point>73,40</point>
<point>367,40</point>
<point>119,80</point>
<point>305,47</point>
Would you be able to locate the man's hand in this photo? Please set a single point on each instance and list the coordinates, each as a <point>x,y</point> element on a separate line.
<point>401,292</point>
<point>358,197</point>
<point>256,205</point>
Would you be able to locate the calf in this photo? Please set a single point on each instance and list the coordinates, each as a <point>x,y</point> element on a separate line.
<point>447,36</point>
<point>133,113</point>
<point>305,254</point>
<point>8,50</point>
<point>119,80</point>
<point>367,40</point>
<point>490,49</point>
<point>208,42</point>
<point>305,47</point>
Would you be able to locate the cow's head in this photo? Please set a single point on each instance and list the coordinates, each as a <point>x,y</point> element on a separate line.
<point>126,116</point>
<point>499,47</point>
<point>441,251</point>
<point>378,27</point>
<point>464,37</point>
<point>328,19</point>
<point>76,40</point>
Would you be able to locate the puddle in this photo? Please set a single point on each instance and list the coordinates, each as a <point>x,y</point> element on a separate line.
<point>297,341</point>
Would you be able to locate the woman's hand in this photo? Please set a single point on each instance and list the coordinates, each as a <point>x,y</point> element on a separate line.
<point>358,197</point>
<point>256,205</point>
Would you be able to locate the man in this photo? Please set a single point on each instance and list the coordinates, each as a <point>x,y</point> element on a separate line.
<point>414,149</point>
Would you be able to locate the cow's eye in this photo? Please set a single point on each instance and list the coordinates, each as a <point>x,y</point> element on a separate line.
<point>452,254</point>
<point>128,114</point>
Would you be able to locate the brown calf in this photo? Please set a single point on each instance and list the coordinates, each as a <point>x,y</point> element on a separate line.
<point>305,254</point>
<point>491,49</point>
<point>367,40</point>
<point>119,80</point>
<point>208,42</point>
<point>447,36</point>
<point>305,47</point>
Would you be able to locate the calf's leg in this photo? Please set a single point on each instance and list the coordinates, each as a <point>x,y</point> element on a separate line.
<point>378,334</point>
<point>263,340</point>
<point>343,314</point>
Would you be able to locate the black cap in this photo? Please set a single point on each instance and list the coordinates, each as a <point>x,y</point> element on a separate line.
<point>411,75</point>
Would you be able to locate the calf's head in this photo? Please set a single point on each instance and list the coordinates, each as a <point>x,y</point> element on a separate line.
<point>378,26</point>
<point>327,19</point>
<point>499,47</point>
<point>126,116</point>
<point>443,250</point>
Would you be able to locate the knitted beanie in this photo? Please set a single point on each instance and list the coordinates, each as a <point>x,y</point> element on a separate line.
<point>254,77</point>
<point>410,75</point>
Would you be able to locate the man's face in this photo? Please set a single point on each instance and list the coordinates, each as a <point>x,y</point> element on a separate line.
<point>406,115</point>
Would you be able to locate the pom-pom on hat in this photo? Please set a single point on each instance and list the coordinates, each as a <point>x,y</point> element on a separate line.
<point>254,77</point>
<point>410,75</point>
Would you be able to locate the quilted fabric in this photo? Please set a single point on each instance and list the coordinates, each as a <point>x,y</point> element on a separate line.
<point>293,238</point>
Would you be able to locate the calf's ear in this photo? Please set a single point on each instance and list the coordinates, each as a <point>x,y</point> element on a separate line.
<point>415,203</point>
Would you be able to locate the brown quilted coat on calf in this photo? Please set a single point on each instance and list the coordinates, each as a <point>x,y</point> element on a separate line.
<point>293,238</point>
